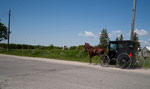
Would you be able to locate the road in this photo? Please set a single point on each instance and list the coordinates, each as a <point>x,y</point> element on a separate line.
<point>33,73</point>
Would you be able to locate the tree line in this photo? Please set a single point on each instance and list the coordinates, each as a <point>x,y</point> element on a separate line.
<point>25,46</point>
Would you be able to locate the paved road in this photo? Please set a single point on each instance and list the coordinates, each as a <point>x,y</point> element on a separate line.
<point>26,73</point>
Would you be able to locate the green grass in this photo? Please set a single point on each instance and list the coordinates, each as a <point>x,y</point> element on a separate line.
<point>147,63</point>
<point>71,55</point>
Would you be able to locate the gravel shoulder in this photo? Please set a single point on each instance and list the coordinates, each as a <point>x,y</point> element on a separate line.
<point>144,71</point>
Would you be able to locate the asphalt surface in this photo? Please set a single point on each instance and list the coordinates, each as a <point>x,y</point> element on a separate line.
<point>25,73</point>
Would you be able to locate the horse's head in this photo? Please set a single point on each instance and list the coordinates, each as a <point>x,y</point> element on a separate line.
<point>86,46</point>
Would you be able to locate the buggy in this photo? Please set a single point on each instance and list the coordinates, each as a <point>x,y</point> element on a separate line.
<point>122,54</point>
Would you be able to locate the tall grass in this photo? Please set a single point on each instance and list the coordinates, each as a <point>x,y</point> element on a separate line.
<point>147,63</point>
<point>73,54</point>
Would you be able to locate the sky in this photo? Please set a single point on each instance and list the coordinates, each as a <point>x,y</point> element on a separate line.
<point>74,22</point>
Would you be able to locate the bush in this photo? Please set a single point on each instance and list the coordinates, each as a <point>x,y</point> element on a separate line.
<point>72,47</point>
<point>80,47</point>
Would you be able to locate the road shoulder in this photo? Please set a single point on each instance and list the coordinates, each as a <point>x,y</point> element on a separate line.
<point>144,71</point>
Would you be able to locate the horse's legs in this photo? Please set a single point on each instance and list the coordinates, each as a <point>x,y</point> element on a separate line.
<point>102,61</point>
<point>90,58</point>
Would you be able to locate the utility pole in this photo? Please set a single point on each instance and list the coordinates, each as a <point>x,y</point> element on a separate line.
<point>133,20</point>
<point>8,31</point>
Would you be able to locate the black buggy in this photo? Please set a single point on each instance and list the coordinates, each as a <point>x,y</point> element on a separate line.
<point>122,54</point>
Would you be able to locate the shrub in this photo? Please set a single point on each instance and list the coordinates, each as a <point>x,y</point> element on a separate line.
<point>72,47</point>
<point>80,47</point>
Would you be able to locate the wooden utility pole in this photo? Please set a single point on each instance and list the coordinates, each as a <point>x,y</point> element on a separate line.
<point>8,31</point>
<point>133,20</point>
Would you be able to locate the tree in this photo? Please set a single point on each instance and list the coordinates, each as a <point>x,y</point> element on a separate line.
<point>117,39</point>
<point>104,39</point>
<point>136,39</point>
<point>3,32</point>
<point>51,46</point>
<point>121,37</point>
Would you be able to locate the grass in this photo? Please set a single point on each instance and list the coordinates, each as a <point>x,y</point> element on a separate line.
<point>71,55</point>
<point>147,63</point>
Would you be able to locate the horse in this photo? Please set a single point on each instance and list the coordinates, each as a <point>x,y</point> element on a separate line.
<point>94,51</point>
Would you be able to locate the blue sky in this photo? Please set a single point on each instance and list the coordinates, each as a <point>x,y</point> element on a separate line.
<point>73,22</point>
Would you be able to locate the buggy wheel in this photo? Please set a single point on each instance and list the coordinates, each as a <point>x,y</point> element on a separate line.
<point>105,60</point>
<point>124,61</point>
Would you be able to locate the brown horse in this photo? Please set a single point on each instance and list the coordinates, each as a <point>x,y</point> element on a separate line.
<point>94,51</point>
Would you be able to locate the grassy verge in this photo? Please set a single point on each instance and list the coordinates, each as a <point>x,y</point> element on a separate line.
<point>70,55</point>
<point>147,63</point>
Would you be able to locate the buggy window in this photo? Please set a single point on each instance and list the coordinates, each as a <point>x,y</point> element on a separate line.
<point>113,47</point>
<point>120,46</point>
<point>131,45</point>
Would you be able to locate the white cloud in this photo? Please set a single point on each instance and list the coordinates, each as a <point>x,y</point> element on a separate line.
<point>115,33</point>
<point>88,34</point>
<point>145,42</point>
<point>148,40</point>
<point>110,35</point>
<point>141,32</point>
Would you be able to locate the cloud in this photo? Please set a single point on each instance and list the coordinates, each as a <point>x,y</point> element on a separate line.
<point>88,34</point>
<point>145,42</point>
<point>110,35</point>
<point>115,33</point>
<point>148,40</point>
<point>141,32</point>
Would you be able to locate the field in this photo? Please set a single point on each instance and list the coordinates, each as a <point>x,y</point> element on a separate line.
<point>71,54</point>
